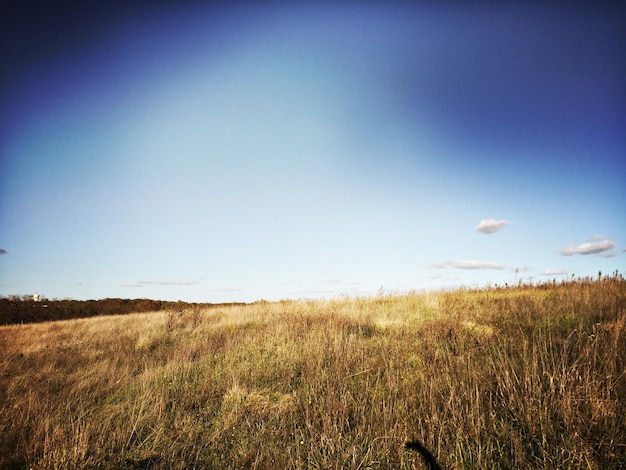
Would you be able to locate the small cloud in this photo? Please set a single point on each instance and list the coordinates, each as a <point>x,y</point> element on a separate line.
<point>2,251</point>
<point>593,247</point>
<point>554,272</point>
<point>491,225</point>
<point>168,283</point>
<point>468,264</point>
<point>337,282</point>
<point>475,264</point>
<point>227,290</point>
<point>438,277</point>
<point>160,283</point>
<point>438,265</point>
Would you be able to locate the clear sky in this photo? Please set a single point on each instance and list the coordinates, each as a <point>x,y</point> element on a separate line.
<point>245,151</point>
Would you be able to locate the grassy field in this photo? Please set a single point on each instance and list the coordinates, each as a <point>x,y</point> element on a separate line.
<point>522,377</point>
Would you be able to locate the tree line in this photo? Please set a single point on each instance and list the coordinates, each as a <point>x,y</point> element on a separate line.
<point>24,309</point>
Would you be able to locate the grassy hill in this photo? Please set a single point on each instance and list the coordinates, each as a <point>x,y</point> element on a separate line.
<point>522,377</point>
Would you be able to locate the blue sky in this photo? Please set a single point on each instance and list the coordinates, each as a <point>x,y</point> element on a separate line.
<point>242,151</point>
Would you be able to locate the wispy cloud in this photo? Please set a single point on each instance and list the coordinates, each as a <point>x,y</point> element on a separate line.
<point>595,246</point>
<point>337,282</point>
<point>227,290</point>
<point>2,251</point>
<point>555,272</point>
<point>468,264</point>
<point>161,283</point>
<point>491,225</point>
<point>438,277</point>
<point>169,283</point>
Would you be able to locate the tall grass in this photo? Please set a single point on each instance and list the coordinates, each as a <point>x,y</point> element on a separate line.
<point>523,377</point>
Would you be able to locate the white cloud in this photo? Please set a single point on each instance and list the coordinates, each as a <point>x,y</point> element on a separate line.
<point>475,264</point>
<point>554,272</point>
<point>161,283</point>
<point>228,290</point>
<point>337,282</point>
<point>491,225</point>
<point>468,264</point>
<point>593,247</point>
<point>438,265</point>
<point>438,277</point>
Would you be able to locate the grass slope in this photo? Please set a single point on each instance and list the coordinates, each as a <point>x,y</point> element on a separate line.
<point>523,377</point>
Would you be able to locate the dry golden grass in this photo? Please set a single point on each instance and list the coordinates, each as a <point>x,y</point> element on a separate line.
<point>524,377</point>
